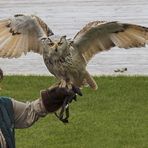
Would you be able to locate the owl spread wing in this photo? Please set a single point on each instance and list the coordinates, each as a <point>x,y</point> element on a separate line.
<point>99,36</point>
<point>20,34</point>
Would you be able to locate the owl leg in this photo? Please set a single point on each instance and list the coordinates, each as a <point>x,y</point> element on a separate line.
<point>69,85</point>
<point>62,83</point>
<point>54,85</point>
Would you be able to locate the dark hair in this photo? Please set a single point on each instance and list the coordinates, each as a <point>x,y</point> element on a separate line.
<point>1,74</point>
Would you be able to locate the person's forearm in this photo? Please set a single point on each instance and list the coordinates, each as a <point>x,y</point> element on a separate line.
<point>28,113</point>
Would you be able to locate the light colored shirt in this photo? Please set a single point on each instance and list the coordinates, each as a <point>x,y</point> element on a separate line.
<point>25,115</point>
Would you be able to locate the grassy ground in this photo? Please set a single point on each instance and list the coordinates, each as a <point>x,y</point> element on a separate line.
<point>114,116</point>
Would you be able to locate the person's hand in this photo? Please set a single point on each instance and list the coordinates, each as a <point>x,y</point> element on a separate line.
<point>53,98</point>
<point>1,74</point>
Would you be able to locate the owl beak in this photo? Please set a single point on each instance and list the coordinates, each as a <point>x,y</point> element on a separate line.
<point>56,48</point>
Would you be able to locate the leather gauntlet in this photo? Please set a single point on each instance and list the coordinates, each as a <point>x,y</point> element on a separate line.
<point>53,98</point>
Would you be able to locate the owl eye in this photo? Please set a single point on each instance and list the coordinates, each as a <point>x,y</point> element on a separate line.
<point>60,43</point>
<point>50,44</point>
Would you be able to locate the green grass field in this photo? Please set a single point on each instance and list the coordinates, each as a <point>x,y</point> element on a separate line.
<point>114,116</point>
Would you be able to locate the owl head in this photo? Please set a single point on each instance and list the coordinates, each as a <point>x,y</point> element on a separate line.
<point>56,46</point>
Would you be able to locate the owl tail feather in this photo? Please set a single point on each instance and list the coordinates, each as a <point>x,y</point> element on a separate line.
<point>91,82</point>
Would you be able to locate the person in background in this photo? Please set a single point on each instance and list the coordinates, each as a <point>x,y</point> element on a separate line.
<point>1,76</point>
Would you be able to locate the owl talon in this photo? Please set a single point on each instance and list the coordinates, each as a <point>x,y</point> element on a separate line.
<point>69,85</point>
<point>62,84</point>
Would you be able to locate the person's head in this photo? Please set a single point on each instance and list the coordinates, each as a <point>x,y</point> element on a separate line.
<point>1,74</point>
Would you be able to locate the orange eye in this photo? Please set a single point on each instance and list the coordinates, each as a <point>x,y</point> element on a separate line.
<point>51,44</point>
<point>60,43</point>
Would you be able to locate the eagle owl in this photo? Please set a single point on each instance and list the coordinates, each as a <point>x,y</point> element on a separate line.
<point>65,62</point>
<point>67,59</point>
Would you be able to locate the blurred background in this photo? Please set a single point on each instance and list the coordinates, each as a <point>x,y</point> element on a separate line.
<point>67,17</point>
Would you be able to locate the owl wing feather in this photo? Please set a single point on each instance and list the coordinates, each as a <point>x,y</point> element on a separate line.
<point>20,34</point>
<point>100,36</point>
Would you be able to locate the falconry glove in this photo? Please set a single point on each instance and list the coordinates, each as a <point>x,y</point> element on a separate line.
<point>56,98</point>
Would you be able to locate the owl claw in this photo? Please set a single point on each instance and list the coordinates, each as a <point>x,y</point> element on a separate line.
<point>63,84</point>
<point>69,86</point>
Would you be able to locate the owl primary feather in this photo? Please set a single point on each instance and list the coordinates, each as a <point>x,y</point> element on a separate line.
<point>67,59</point>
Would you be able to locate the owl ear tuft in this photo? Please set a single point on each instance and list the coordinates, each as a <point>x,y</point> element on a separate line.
<point>70,41</point>
<point>63,37</point>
